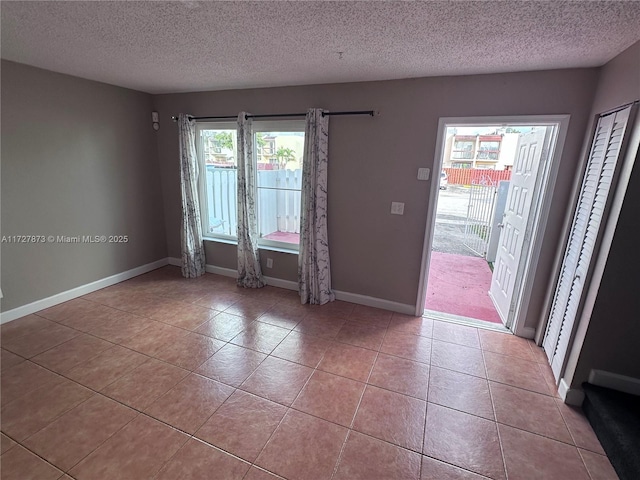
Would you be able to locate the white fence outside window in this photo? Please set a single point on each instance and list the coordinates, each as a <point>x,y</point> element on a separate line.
<point>279,200</point>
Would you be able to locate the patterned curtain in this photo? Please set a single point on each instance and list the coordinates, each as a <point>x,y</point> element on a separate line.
<point>249,271</point>
<point>193,259</point>
<point>314,272</point>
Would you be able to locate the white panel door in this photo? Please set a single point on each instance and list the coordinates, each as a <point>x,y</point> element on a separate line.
<point>585,229</point>
<point>514,222</point>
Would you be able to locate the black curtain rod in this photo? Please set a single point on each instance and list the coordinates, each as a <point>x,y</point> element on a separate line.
<point>276,115</point>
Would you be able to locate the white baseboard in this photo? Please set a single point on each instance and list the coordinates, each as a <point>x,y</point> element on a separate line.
<point>227,272</point>
<point>614,381</point>
<point>570,396</point>
<point>61,297</point>
<point>527,332</point>
<point>278,282</point>
<point>289,285</point>
<point>375,302</point>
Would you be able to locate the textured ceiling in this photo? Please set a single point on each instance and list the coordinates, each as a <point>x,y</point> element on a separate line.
<point>162,47</point>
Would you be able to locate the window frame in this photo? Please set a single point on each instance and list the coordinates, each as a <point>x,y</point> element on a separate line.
<point>202,180</point>
<point>288,125</point>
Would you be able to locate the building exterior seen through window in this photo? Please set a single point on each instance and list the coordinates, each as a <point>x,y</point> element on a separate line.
<point>493,150</point>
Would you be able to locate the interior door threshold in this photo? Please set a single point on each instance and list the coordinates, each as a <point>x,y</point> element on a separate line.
<point>471,322</point>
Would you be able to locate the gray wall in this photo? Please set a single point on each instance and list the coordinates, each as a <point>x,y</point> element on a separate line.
<point>373,252</point>
<point>613,337</point>
<point>78,158</point>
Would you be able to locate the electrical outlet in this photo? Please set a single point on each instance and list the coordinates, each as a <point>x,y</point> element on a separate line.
<point>397,208</point>
<point>269,262</point>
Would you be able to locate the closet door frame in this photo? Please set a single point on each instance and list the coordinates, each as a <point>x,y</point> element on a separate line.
<point>626,158</point>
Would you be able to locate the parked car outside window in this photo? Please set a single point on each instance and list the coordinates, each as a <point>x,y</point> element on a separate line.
<point>444,180</point>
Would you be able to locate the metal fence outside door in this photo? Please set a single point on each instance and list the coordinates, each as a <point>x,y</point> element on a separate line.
<point>477,228</point>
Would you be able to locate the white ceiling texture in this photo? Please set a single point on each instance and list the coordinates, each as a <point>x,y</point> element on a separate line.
<point>180,46</point>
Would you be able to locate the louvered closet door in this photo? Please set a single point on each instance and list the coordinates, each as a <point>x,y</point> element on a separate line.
<point>584,235</point>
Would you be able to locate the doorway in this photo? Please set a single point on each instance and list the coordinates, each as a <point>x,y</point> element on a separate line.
<point>481,241</point>
<point>461,230</point>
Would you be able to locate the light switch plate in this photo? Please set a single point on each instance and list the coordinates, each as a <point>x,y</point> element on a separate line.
<point>397,208</point>
<point>423,173</point>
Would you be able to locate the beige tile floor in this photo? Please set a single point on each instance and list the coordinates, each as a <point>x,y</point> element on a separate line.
<point>163,377</point>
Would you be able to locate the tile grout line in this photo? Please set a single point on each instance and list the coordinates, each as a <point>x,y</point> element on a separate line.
<point>350,429</point>
<point>495,418</point>
<point>149,357</point>
<point>355,412</point>
<point>141,412</point>
<point>426,408</point>
<point>143,353</point>
<point>36,455</point>
<point>138,413</point>
<point>289,407</point>
<point>575,443</point>
<point>105,440</point>
<point>591,476</point>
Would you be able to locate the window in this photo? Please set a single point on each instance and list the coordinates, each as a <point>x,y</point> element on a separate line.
<point>461,165</point>
<point>278,149</point>
<point>463,149</point>
<point>278,152</point>
<point>217,147</point>
<point>489,150</point>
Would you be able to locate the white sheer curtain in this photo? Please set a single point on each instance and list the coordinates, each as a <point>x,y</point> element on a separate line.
<point>193,259</point>
<point>249,271</point>
<point>314,271</point>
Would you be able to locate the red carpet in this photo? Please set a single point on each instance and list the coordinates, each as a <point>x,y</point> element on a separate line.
<point>284,237</point>
<point>459,285</point>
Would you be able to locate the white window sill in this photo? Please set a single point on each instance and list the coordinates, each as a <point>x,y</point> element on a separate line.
<point>270,248</point>
<point>220,240</point>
